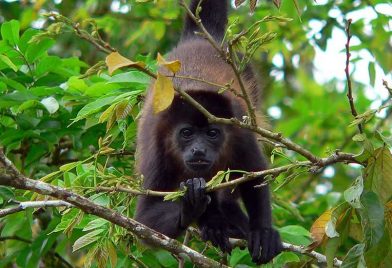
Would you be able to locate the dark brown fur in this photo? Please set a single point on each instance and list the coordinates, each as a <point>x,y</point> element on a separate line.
<point>161,162</point>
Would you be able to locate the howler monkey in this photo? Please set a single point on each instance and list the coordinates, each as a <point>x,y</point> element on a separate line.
<point>179,148</point>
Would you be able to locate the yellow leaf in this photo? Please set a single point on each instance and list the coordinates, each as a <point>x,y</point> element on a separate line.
<point>173,66</point>
<point>107,113</point>
<point>112,254</point>
<point>116,61</point>
<point>163,93</point>
<point>318,229</point>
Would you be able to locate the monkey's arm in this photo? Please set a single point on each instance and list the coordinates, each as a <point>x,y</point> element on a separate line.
<point>172,218</point>
<point>214,226</point>
<point>263,241</point>
<point>159,215</point>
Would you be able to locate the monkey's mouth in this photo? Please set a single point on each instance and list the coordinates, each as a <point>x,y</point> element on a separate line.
<point>198,164</point>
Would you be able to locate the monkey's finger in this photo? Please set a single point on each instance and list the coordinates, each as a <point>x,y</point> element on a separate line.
<point>278,243</point>
<point>190,191</point>
<point>182,185</point>
<point>226,246</point>
<point>204,234</point>
<point>212,238</point>
<point>208,199</point>
<point>218,237</point>
<point>255,246</point>
<point>267,247</point>
<point>202,183</point>
<point>185,198</point>
<point>198,190</point>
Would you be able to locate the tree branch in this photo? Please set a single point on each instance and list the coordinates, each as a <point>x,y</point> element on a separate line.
<point>33,204</point>
<point>347,71</point>
<point>14,237</point>
<point>385,84</point>
<point>10,176</point>
<point>337,157</point>
<point>287,247</point>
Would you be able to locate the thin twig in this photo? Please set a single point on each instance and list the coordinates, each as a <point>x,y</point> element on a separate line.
<point>335,158</point>
<point>347,71</point>
<point>33,204</point>
<point>385,83</point>
<point>187,236</point>
<point>14,237</point>
<point>139,262</point>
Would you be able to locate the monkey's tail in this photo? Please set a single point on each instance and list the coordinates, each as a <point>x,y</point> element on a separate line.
<point>213,15</point>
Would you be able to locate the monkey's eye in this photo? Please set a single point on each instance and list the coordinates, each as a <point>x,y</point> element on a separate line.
<point>213,133</point>
<point>186,133</point>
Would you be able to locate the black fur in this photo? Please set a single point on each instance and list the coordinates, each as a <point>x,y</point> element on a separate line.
<point>213,16</point>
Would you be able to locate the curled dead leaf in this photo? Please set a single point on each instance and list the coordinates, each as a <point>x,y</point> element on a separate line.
<point>116,61</point>
<point>163,93</point>
<point>174,66</point>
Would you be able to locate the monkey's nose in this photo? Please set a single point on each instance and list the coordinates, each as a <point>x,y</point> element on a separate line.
<point>198,151</point>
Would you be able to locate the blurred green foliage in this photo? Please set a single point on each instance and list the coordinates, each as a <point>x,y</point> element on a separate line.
<point>77,129</point>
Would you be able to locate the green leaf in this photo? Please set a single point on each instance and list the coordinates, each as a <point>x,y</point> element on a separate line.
<point>379,173</point>
<point>77,83</point>
<point>295,234</point>
<point>284,258</point>
<point>238,256</point>
<point>66,220</point>
<point>7,121</point>
<point>331,248</point>
<point>94,224</point>
<point>50,104</point>
<point>101,89</point>
<point>10,32</point>
<point>48,64</point>
<point>93,107</point>
<point>216,180</point>
<point>13,84</point>
<point>165,258</point>
<point>35,51</point>
<point>387,140</point>
<point>372,73</point>
<point>354,257</point>
<point>69,166</point>
<point>6,193</point>
<point>28,104</point>
<point>48,177</point>
<point>87,239</point>
<point>375,256</point>
<point>359,137</point>
<point>25,38</point>
<point>8,62</point>
<point>372,219</point>
<point>174,196</point>
<point>130,77</point>
<point>353,194</point>
<point>367,151</point>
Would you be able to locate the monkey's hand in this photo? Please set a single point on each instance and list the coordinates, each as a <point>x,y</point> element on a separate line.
<point>194,202</point>
<point>215,229</point>
<point>264,244</point>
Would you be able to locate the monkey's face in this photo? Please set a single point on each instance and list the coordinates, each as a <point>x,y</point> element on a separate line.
<point>200,146</point>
